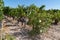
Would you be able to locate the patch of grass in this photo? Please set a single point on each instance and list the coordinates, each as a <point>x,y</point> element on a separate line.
<point>8,37</point>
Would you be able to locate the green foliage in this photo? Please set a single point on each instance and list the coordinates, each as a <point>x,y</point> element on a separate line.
<point>40,22</point>
<point>6,11</point>
<point>1,17</point>
<point>8,37</point>
<point>1,9</point>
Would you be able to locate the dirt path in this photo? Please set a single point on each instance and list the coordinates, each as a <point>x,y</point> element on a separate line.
<point>16,30</point>
<point>52,34</point>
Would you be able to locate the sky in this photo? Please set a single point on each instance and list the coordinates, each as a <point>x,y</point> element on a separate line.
<point>50,4</point>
